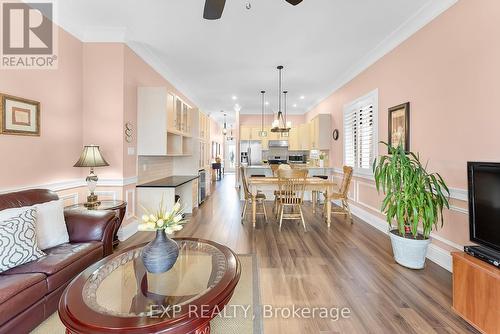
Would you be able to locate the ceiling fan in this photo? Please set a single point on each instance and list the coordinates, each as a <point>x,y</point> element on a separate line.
<point>214,8</point>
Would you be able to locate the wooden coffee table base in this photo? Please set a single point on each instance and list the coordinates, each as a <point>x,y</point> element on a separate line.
<point>82,312</point>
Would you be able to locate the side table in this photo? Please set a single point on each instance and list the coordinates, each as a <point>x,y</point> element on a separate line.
<point>119,207</point>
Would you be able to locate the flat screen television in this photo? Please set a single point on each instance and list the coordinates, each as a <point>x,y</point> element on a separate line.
<point>484,203</point>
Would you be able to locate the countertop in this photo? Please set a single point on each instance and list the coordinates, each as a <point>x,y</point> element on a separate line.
<point>169,182</point>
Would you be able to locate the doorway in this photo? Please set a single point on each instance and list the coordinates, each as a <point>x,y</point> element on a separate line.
<point>230,157</point>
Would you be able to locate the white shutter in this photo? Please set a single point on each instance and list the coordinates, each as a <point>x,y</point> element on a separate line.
<point>365,138</point>
<point>360,132</point>
<point>350,137</point>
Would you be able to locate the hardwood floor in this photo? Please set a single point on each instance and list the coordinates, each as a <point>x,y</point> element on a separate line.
<point>346,266</point>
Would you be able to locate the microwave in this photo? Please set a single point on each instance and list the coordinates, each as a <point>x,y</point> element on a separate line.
<point>297,158</point>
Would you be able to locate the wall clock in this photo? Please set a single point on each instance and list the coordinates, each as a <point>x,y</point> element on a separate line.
<point>335,134</point>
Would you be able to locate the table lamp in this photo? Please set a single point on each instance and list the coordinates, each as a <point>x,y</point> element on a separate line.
<point>91,157</point>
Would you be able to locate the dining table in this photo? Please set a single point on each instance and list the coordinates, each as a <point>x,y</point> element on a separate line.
<point>314,184</point>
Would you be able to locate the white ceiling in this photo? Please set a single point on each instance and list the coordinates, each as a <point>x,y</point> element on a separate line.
<point>321,43</point>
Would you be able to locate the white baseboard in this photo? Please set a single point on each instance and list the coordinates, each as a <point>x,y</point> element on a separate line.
<point>128,230</point>
<point>435,253</point>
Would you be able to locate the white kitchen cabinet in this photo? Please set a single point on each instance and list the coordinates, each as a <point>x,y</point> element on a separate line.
<point>163,123</point>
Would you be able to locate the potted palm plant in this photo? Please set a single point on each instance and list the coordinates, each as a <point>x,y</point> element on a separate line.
<point>414,200</point>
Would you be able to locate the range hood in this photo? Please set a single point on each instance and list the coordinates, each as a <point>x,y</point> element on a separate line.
<point>278,143</point>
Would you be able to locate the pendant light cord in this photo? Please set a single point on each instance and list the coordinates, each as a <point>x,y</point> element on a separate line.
<point>263,92</point>
<point>280,115</point>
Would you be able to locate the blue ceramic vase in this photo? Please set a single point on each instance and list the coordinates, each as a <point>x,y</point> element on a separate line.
<point>160,254</point>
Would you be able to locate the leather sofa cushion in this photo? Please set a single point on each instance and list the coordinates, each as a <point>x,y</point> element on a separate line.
<point>19,292</point>
<point>63,262</point>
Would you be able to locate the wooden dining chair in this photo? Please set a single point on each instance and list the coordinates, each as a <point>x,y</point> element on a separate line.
<point>275,168</point>
<point>342,195</point>
<point>291,184</point>
<point>260,197</point>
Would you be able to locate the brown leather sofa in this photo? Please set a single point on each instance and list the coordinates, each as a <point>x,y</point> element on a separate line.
<point>30,293</point>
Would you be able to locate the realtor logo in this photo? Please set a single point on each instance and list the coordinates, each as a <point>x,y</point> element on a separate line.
<point>28,35</point>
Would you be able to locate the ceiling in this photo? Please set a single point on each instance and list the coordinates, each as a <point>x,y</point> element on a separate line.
<point>321,43</point>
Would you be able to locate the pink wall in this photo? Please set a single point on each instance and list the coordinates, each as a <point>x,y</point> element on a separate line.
<point>103,103</point>
<point>449,71</point>
<point>268,119</point>
<point>49,158</point>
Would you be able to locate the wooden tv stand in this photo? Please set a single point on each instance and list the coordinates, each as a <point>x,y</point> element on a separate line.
<point>476,292</point>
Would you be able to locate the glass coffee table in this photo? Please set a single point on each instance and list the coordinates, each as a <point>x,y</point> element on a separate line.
<point>118,294</point>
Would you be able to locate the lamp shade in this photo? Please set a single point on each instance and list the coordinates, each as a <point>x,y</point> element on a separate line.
<point>91,157</point>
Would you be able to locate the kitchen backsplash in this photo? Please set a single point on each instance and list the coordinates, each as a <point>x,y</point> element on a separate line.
<point>153,168</point>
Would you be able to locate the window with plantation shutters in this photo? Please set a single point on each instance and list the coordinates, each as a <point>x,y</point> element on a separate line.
<point>360,132</point>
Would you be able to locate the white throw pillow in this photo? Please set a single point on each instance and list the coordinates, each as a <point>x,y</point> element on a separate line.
<point>51,228</point>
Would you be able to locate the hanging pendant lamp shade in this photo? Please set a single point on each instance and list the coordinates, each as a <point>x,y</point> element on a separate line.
<point>279,124</point>
<point>224,130</point>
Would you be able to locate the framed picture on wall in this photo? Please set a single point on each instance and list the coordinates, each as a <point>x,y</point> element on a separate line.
<point>19,116</point>
<point>399,126</point>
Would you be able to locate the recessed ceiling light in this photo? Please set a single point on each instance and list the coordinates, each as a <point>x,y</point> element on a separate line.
<point>302,97</point>
<point>295,105</point>
<point>234,97</point>
<point>267,103</point>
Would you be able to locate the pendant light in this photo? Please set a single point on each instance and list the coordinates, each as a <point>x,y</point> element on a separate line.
<point>230,137</point>
<point>224,131</point>
<point>262,133</point>
<point>288,124</point>
<point>279,124</point>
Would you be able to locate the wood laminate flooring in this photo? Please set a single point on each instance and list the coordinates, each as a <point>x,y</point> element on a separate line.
<point>346,266</point>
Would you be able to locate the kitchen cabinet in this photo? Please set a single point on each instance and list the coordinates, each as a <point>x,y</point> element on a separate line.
<point>304,137</point>
<point>171,116</point>
<point>161,117</point>
<point>255,133</point>
<point>320,131</point>
<point>182,117</point>
<point>293,139</point>
<point>245,133</point>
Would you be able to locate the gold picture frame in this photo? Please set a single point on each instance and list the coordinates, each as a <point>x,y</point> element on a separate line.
<point>19,116</point>
<point>399,126</point>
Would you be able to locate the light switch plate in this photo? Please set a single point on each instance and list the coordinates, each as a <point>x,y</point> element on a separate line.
<point>131,150</point>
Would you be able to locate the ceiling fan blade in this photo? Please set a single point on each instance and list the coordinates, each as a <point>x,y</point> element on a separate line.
<point>294,2</point>
<point>213,9</point>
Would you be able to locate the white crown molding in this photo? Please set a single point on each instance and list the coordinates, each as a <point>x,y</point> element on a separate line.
<point>431,10</point>
<point>145,53</point>
<point>70,184</point>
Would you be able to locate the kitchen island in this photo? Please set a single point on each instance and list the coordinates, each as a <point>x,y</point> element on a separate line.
<point>151,193</point>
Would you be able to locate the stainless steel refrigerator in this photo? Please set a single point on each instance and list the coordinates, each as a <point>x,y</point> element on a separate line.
<point>254,151</point>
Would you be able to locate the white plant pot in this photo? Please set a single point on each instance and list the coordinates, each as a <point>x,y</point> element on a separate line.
<point>410,253</point>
